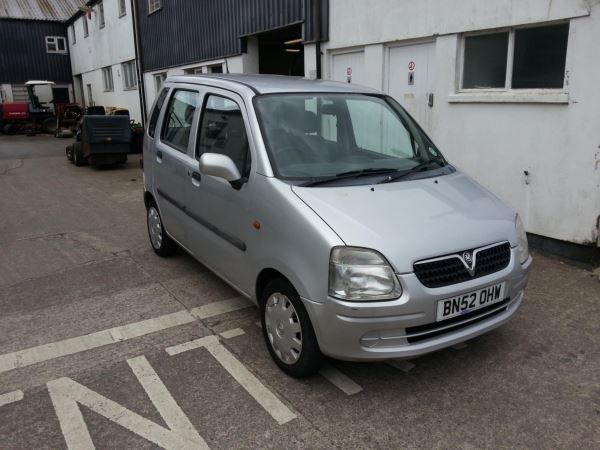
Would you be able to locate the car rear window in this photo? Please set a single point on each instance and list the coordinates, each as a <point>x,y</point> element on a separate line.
<point>156,111</point>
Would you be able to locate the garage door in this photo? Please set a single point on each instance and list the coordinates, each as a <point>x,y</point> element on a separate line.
<point>349,67</point>
<point>409,79</point>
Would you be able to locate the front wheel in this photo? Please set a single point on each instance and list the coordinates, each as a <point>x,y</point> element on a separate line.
<point>162,244</point>
<point>287,330</point>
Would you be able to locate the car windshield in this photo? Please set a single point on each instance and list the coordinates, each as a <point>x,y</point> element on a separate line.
<point>322,136</point>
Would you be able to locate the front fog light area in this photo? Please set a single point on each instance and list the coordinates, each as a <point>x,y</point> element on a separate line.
<point>359,274</point>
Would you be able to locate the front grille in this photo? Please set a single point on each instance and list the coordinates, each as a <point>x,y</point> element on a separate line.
<point>431,330</point>
<point>450,269</point>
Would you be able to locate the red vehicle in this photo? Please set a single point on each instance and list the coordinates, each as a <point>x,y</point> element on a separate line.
<point>29,117</point>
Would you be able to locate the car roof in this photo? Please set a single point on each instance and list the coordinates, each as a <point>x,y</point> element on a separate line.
<point>269,84</point>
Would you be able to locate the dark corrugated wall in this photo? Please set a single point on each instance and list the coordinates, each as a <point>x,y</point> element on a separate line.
<point>188,31</point>
<point>23,52</point>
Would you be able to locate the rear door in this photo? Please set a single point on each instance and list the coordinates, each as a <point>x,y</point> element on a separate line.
<point>172,150</point>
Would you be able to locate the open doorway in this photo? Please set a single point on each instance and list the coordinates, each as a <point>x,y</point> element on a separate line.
<point>281,51</point>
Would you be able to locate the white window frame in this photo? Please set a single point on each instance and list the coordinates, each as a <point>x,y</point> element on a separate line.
<point>101,19</point>
<point>154,5</point>
<point>159,81</point>
<point>122,8</point>
<point>108,79</point>
<point>507,93</point>
<point>54,40</point>
<point>129,72</point>
<point>86,28</point>
<point>90,95</point>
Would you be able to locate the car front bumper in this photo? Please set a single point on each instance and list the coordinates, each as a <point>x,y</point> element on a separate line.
<point>372,331</point>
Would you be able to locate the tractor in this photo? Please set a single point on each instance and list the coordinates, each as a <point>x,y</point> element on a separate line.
<point>33,116</point>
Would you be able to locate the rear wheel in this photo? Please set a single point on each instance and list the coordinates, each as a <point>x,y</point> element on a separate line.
<point>287,330</point>
<point>69,151</point>
<point>78,158</point>
<point>162,244</point>
<point>49,125</point>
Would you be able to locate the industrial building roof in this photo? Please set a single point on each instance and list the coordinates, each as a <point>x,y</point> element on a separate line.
<point>51,10</point>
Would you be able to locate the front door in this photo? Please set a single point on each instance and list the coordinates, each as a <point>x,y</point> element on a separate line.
<point>219,216</point>
<point>410,77</point>
<point>171,157</point>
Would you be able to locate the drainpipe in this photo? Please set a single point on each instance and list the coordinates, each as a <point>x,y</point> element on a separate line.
<point>138,58</point>
<point>317,37</point>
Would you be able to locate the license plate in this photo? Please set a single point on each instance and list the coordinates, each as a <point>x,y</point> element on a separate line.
<point>470,301</point>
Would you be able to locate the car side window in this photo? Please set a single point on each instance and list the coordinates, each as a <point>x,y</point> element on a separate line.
<point>178,119</point>
<point>156,111</point>
<point>222,131</point>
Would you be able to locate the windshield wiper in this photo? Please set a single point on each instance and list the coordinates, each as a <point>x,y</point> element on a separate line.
<point>421,167</point>
<point>349,174</point>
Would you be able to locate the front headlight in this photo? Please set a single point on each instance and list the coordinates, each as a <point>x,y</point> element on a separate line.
<point>360,274</point>
<point>523,246</point>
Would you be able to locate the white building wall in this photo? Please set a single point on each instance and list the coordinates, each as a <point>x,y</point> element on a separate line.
<point>495,137</point>
<point>111,45</point>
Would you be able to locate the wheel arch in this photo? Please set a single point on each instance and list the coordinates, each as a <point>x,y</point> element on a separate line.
<point>148,198</point>
<point>264,278</point>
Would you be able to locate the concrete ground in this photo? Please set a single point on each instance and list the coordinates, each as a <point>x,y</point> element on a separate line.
<point>91,323</point>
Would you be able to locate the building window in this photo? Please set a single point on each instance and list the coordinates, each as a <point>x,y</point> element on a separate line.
<point>159,80</point>
<point>86,31</point>
<point>154,5</point>
<point>90,96</point>
<point>525,58</point>
<point>101,22</point>
<point>107,79</point>
<point>73,38</point>
<point>129,75</point>
<point>192,71</point>
<point>217,68</point>
<point>122,7</point>
<point>56,44</point>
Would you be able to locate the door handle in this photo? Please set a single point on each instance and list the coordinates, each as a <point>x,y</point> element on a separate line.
<point>196,179</point>
<point>159,156</point>
<point>430,100</point>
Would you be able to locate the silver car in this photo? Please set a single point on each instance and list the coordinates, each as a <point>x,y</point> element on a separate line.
<point>328,206</point>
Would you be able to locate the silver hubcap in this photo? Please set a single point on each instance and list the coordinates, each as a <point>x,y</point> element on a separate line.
<point>283,328</point>
<point>155,227</point>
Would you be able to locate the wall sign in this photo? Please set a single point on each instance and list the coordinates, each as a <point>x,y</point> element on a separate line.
<point>411,66</point>
<point>349,74</point>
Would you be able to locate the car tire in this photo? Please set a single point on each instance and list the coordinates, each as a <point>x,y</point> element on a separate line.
<point>161,242</point>
<point>78,158</point>
<point>288,331</point>
<point>69,151</point>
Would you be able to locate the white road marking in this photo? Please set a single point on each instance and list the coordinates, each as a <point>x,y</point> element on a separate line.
<point>404,366</point>
<point>66,394</point>
<point>229,334</point>
<point>339,380</point>
<point>45,352</point>
<point>222,307</point>
<point>275,407</point>
<point>459,346</point>
<point>10,397</point>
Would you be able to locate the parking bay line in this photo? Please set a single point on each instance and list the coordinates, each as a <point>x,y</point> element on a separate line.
<point>339,380</point>
<point>10,397</point>
<point>275,407</point>
<point>46,352</point>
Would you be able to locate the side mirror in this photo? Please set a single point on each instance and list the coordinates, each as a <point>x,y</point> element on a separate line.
<point>222,166</point>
